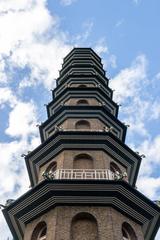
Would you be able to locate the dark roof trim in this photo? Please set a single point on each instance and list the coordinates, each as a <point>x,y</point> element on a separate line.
<point>117,194</point>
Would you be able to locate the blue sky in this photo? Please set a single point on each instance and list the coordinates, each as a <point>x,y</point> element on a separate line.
<point>35,36</point>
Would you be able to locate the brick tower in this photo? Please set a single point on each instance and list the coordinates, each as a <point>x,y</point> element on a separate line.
<point>83,174</point>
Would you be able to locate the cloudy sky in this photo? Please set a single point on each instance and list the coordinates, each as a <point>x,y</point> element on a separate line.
<point>35,35</point>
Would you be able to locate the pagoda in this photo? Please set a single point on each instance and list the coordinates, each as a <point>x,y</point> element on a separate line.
<point>82,175</point>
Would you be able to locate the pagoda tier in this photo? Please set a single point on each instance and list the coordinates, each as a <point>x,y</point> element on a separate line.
<point>58,193</point>
<point>65,114</point>
<point>72,92</point>
<point>88,141</point>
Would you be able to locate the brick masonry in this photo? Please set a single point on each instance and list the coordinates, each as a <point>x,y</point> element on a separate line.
<point>65,159</point>
<point>60,224</point>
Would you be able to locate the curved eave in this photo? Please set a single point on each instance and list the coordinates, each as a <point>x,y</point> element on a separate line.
<point>62,140</point>
<point>77,92</point>
<point>49,194</point>
<point>65,112</point>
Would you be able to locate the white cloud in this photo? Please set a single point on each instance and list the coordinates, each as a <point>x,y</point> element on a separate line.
<point>26,40</point>
<point>13,177</point>
<point>7,96</point>
<point>45,71</point>
<point>22,120</point>
<point>129,81</point>
<point>21,27</point>
<point>149,186</point>
<point>155,110</point>
<point>139,108</point>
<point>157,236</point>
<point>67,2</point>
<point>130,86</point>
<point>112,61</point>
<point>101,46</point>
<point>3,75</point>
<point>80,39</point>
<point>14,5</point>
<point>152,151</point>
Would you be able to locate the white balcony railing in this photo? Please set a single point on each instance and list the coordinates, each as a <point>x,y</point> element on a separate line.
<point>84,174</point>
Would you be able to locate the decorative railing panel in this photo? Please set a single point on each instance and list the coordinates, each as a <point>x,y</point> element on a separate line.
<point>85,174</point>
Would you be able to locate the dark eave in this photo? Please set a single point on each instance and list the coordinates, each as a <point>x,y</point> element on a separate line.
<point>49,194</point>
<point>80,93</point>
<point>99,112</point>
<point>82,67</point>
<point>80,51</point>
<point>100,77</point>
<point>82,58</point>
<point>70,140</point>
<point>70,79</point>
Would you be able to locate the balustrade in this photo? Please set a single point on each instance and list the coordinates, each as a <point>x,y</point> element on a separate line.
<point>84,174</point>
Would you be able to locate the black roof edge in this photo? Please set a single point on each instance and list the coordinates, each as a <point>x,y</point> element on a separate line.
<point>85,181</point>
<point>124,127</point>
<point>88,88</point>
<point>82,48</point>
<point>86,132</point>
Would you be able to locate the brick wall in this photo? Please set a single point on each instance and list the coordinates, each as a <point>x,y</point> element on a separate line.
<point>60,224</point>
<point>101,160</point>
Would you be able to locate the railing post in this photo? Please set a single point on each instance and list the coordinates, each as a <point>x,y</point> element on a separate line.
<point>58,174</point>
<point>72,174</point>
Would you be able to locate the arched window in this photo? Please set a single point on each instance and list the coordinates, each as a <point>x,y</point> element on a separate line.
<point>82,86</point>
<point>40,232</point>
<point>114,168</point>
<point>82,124</point>
<point>83,102</point>
<point>128,232</point>
<point>84,227</point>
<point>125,235</point>
<point>83,161</point>
<point>52,167</point>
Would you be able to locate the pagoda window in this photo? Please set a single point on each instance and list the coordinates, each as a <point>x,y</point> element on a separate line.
<point>83,102</point>
<point>114,168</point>
<point>83,161</point>
<point>82,86</point>
<point>128,232</point>
<point>52,167</point>
<point>82,124</point>
<point>84,226</point>
<point>40,232</point>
